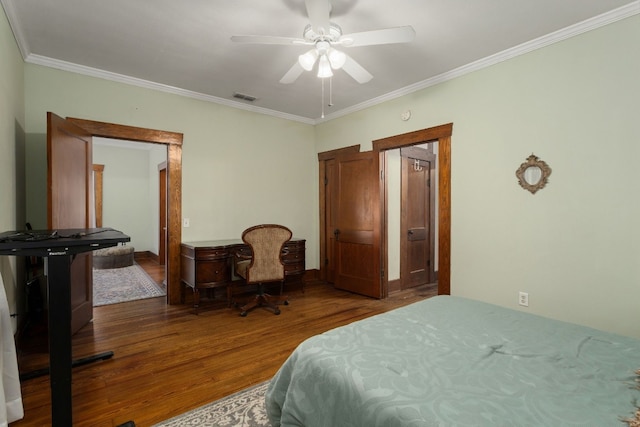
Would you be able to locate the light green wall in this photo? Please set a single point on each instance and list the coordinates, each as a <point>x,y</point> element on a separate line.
<point>238,168</point>
<point>12,169</point>
<point>393,180</point>
<point>573,246</point>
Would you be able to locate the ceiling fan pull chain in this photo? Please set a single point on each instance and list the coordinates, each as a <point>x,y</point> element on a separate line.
<point>330,91</point>
<point>322,80</point>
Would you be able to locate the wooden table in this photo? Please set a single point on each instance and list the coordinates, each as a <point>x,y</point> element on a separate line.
<point>209,264</point>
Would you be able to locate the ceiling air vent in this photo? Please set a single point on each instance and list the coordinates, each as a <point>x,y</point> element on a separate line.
<point>244,97</point>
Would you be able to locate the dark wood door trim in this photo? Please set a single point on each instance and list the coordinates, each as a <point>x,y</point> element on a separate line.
<point>173,141</point>
<point>441,134</point>
<point>332,154</point>
<point>98,171</point>
<point>162,224</point>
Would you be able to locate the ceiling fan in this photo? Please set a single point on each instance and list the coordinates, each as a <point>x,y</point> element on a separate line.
<point>323,35</point>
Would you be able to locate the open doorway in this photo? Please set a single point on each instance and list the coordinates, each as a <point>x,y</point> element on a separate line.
<point>127,195</point>
<point>377,214</point>
<point>131,189</point>
<point>440,136</point>
<point>172,141</point>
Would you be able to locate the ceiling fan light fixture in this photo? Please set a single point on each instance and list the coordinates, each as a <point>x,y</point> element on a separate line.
<point>307,60</point>
<point>323,35</point>
<point>324,67</point>
<point>336,58</point>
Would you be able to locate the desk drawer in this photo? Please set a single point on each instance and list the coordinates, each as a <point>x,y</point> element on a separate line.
<point>290,269</point>
<point>294,258</point>
<point>295,248</point>
<point>212,272</point>
<point>211,254</point>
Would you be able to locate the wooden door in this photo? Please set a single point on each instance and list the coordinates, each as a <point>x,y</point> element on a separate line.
<point>417,218</point>
<point>69,169</point>
<point>162,251</point>
<point>355,215</point>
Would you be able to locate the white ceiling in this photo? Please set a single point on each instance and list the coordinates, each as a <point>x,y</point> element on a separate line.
<point>183,46</point>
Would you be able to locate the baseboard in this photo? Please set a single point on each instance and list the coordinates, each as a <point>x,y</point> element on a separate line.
<point>145,255</point>
<point>393,286</point>
<point>312,274</point>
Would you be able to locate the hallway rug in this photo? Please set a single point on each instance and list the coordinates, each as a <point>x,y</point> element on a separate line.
<point>115,285</point>
<point>242,409</point>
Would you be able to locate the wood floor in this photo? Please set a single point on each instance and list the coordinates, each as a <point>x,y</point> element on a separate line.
<point>169,360</point>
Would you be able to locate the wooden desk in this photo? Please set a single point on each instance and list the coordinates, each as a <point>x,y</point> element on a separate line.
<point>209,264</point>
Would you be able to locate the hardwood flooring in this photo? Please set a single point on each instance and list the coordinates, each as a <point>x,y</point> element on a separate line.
<point>169,360</point>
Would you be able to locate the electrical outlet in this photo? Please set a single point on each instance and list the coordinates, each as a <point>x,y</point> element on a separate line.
<point>523,299</point>
<point>185,222</point>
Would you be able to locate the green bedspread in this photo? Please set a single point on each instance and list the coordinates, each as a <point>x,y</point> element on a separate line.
<point>450,361</point>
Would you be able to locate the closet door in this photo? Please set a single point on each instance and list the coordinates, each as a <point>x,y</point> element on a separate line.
<point>69,169</point>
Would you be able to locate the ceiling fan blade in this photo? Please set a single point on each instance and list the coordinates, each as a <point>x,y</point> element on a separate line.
<point>268,40</point>
<point>293,74</point>
<point>386,36</point>
<point>356,71</point>
<point>318,11</point>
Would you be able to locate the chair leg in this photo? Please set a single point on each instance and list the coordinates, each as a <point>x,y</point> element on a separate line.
<point>253,303</point>
<point>229,295</point>
<point>196,299</point>
<point>262,299</point>
<point>283,299</point>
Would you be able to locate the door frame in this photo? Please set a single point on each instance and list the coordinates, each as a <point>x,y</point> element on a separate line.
<point>98,173</point>
<point>173,142</point>
<point>441,134</point>
<point>162,197</point>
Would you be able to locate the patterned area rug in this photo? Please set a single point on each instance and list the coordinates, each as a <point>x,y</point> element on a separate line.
<point>243,409</point>
<point>114,285</point>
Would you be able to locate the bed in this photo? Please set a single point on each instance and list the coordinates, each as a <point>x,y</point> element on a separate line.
<point>451,361</point>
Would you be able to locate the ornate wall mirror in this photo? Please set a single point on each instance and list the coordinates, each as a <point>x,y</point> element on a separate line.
<point>533,174</point>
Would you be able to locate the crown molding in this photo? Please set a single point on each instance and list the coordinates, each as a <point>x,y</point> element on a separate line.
<point>121,78</point>
<point>615,15</point>
<point>16,28</point>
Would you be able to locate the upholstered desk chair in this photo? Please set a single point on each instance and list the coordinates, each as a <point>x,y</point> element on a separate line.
<point>264,265</point>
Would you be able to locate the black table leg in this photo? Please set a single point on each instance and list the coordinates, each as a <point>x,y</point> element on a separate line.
<point>60,358</point>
